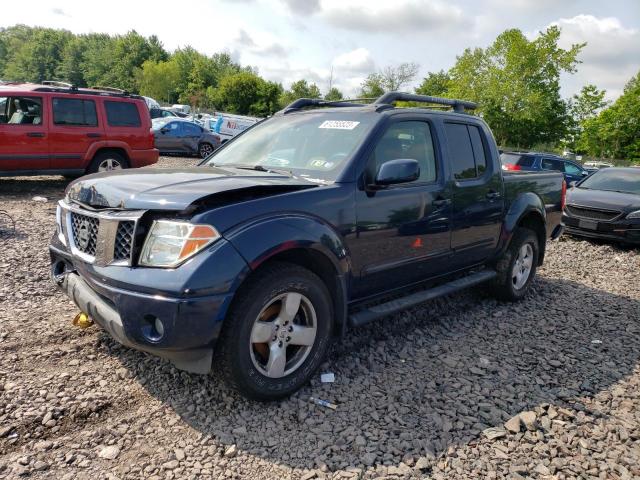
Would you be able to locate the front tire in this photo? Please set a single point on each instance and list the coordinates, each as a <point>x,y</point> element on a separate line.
<point>277,332</point>
<point>517,266</point>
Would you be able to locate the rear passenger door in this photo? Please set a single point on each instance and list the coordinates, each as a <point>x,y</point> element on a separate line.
<point>403,231</point>
<point>477,194</point>
<point>24,140</point>
<point>73,128</point>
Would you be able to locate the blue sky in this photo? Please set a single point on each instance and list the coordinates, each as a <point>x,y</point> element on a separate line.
<point>291,39</point>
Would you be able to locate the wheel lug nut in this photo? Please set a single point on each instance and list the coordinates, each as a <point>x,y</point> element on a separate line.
<point>275,338</point>
<point>288,339</point>
<point>291,329</point>
<point>280,344</point>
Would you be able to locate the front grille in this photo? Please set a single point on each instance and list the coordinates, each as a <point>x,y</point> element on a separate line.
<point>593,214</point>
<point>124,241</point>
<point>85,233</point>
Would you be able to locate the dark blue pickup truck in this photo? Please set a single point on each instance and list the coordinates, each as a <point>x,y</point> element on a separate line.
<point>324,217</point>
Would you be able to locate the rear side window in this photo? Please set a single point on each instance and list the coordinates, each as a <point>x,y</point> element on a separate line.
<point>122,114</point>
<point>73,111</point>
<point>191,129</point>
<point>517,159</point>
<point>552,164</point>
<point>466,149</point>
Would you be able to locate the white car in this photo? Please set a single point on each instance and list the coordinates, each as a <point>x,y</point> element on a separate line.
<point>227,125</point>
<point>596,165</point>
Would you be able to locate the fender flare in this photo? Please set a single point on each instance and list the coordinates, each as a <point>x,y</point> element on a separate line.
<point>263,238</point>
<point>524,204</point>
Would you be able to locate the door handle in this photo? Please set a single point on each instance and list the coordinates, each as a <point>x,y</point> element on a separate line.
<point>35,134</point>
<point>94,135</point>
<point>493,195</point>
<point>440,202</point>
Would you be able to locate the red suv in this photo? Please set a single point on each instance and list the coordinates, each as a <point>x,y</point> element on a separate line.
<point>58,130</point>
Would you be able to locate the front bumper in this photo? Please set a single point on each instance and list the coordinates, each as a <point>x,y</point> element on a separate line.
<point>619,231</point>
<point>128,311</point>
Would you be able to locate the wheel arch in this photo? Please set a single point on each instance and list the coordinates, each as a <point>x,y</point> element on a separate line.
<point>303,241</point>
<point>526,211</point>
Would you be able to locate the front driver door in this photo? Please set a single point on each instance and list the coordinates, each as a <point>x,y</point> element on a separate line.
<point>166,138</point>
<point>403,231</point>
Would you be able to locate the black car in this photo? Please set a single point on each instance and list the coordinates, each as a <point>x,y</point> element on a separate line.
<point>606,205</point>
<point>539,162</point>
<point>178,136</point>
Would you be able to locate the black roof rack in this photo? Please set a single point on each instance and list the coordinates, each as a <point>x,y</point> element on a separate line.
<point>458,105</point>
<point>318,102</point>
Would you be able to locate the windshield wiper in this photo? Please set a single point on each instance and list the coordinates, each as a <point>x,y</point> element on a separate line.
<point>257,168</point>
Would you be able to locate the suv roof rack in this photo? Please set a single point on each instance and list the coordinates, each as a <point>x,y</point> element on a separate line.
<point>459,106</point>
<point>108,89</point>
<point>56,83</point>
<point>318,102</point>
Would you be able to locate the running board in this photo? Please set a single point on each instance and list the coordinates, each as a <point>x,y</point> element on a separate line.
<point>373,313</point>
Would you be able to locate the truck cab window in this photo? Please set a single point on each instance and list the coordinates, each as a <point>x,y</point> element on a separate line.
<point>406,140</point>
<point>466,149</point>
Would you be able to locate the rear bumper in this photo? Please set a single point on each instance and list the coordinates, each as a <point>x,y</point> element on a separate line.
<point>142,158</point>
<point>191,325</point>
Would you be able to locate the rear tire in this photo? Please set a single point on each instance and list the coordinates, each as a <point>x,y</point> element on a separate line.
<point>276,333</point>
<point>517,266</point>
<point>205,149</point>
<point>107,162</point>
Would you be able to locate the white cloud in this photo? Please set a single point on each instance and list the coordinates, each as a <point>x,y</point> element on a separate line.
<point>303,7</point>
<point>355,61</point>
<point>265,45</point>
<point>401,16</point>
<point>611,56</point>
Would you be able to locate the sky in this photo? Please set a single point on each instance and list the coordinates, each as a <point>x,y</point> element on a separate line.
<point>341,41</point>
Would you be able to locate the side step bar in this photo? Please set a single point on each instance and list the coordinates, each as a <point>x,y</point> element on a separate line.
<point>373,313</point>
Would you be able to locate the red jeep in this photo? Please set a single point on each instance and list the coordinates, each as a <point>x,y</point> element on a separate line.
<point>53,129</point>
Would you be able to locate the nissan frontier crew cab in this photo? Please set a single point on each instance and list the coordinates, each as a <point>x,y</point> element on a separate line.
<point>324,217</point>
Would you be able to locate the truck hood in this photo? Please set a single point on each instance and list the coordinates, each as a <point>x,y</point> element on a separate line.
<point>603,199</point>
<point>177,189</point>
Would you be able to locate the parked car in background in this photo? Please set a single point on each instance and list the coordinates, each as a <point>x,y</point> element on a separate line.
<point>227,125</point>
<point>162,112</point>
<point>314,221</point>
<point>180,108</point>
<point>596,165</point>
<point>180,136</point>
<point>534,161</point>
<point>62,130</point>
<point>606,205</point>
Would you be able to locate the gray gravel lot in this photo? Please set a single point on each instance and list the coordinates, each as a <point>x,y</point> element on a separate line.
<point>461,387</point>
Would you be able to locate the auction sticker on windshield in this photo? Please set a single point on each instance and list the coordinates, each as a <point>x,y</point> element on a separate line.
<point>339,124</point>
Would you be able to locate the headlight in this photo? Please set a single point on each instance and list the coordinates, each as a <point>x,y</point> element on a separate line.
<point>170,243</point>
<point>635,214</point>
<point>59,229</point>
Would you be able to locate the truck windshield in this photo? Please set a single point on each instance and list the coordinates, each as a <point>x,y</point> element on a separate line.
<point>315,145</point>
<point>614,180</point>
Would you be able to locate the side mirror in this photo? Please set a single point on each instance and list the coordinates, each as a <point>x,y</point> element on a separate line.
<point>585,173</point>
<point>400,170</point>
<point>572,184</point>
<point>164,130</point>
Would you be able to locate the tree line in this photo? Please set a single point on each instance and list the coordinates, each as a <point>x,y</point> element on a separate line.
<point>515,81</point>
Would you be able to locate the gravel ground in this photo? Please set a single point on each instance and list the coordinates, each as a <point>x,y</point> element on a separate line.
<point>461,387</point>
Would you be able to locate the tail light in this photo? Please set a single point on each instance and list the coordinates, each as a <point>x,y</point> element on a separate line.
<point>563,195</point>
<point>511,167</point>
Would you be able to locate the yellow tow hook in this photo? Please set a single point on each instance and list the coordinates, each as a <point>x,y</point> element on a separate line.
<point>82,320</point>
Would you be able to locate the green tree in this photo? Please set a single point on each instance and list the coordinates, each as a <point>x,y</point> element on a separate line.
<point>371,87</point>
<point>160,80</point>
<point>333,95</point>
<point>582,107</point>
<point>245,93</point>
<point>390,78</point>
<point>615,131</point>
<point>300,89</point>
<point>435,84</point>
<point>516,83</point>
